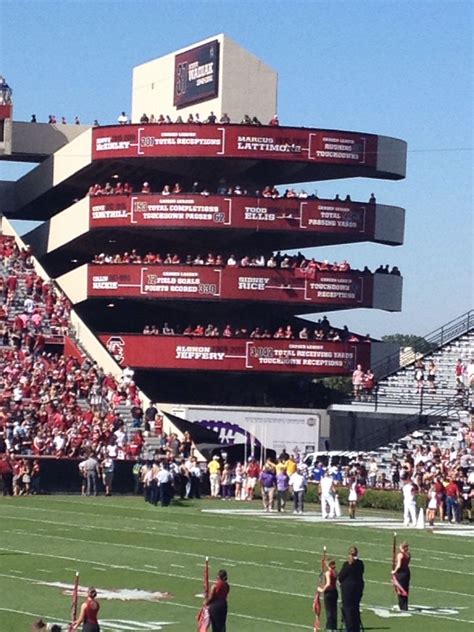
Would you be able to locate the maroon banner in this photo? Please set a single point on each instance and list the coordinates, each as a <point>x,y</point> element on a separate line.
<point>230,283</point>
<point>235,141</point>
<point>236,354</point>
<point>264,214</point>
<point>196,75</point>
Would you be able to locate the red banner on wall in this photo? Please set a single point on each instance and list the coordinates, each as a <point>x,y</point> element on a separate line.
<point>218,212</point>
<point>236,354</point>
<point>235,141</point>
<point>351,289</point>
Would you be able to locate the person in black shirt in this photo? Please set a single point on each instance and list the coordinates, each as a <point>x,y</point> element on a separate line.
<point>351,580</point>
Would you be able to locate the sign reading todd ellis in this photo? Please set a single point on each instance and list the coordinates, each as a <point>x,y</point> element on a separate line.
<point>196,75</point>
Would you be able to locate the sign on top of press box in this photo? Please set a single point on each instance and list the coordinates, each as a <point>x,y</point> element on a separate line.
<point>196,75</point>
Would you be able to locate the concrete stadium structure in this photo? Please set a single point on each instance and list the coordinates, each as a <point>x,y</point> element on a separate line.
<point>113,303</point>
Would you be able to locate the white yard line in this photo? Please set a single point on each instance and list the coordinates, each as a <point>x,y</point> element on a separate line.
<point>214,541</point>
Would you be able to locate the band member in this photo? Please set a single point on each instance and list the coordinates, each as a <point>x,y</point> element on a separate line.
<point>401,575</point>
<point>217,602</point>
<point>329,590</point>
<point>351,580</point>
<point>88,614</point>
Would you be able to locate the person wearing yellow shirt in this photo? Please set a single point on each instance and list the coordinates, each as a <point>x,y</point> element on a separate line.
<point>291,465</point>
<point>214,469</point>
<point>280,467</point>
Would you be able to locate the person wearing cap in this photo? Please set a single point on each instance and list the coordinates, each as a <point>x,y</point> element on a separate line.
<point>89,613</point>
<point>274,121</point>
<point>252,471</point>
<point>214,469</point>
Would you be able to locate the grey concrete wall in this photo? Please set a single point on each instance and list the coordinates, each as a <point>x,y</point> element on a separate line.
<point>390,224</point>
<point>362,430</point>
<point>246,86</point>
<point>387,292</point>
<point>384,357</point>
<point>74,284</point>
<point>392,155</point>
<point>65,162</point>
<point>42,139</point>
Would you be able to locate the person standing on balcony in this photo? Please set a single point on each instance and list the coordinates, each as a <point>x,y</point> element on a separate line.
<point>358,381</point>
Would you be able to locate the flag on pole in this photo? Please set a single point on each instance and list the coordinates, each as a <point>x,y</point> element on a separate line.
<point>203,617</point>
<point>206,578</point>
<point>74,600</point>
<point>317,594</point>
<point>396,585</point>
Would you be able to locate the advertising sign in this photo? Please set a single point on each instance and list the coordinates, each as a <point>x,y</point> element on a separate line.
<point>230,283</point>
<point>236,354</point>
<point>293,430</point>
<point>235,141</point>
<point>196,75</point>
<point>264,214</point>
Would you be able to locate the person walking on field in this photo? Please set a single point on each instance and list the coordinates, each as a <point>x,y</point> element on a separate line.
<point>88,614</point>
<point>217,602</point>
<point>401,575</point>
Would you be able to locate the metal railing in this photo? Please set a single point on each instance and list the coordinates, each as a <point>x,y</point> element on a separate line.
<point>412,422</point>
<point>431,342</point>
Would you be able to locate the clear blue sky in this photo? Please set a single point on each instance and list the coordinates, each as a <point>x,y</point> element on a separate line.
<point>402,68</point>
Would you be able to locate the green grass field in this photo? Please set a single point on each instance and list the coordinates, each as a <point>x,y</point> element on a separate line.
<point>122,544</point>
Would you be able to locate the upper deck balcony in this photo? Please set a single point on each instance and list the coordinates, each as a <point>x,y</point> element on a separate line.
<point>185,153</point>
<point>158,221</point>
<point>289,289</point>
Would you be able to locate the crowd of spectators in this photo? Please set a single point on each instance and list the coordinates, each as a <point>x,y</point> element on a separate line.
<point>321,330</point>
<point>30,309</point>
<point>223,188</point>
<point>51,404</point>
<point>195,119</point>
<point>299,264</point>
<point>278,260</point>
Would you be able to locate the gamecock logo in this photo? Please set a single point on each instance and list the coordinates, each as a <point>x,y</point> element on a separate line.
<point>116,347</point>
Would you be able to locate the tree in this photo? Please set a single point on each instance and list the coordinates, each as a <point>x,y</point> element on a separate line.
<point>417,343</point>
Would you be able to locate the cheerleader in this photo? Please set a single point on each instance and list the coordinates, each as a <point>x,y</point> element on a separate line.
<point>432,505</point>
<point>352,498</point>
<point>238,480</point>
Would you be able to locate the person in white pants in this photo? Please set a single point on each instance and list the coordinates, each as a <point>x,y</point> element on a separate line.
<point>409,503</point>
<point>328,508</point>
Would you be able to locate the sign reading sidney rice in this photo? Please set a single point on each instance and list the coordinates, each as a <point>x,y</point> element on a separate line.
<point>196,75</point>
<point>209,283</point>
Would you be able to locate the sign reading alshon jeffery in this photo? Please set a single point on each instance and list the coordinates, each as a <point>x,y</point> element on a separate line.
<point>196,74</point>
